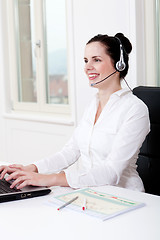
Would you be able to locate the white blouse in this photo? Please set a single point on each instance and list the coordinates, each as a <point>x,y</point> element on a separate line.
<point>105,152</point>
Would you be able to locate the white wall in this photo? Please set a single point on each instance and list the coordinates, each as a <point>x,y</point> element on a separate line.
<point>150,42</point>
<point>106,17</point>
<point>3,78</point>
<point>25,141</point>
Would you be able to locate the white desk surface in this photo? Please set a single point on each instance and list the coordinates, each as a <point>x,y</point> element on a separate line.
<point>34,219</point>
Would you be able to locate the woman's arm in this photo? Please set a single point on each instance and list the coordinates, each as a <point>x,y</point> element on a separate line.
<point>60,160</point>
<point>124,152</point>
<point>14,167</point>
<point>23,178</point>
<point>37,174</point>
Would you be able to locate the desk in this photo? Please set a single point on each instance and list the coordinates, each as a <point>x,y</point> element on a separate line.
<point>34,219</point>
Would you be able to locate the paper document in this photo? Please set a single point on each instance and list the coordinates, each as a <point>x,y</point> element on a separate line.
<point>98,204</point>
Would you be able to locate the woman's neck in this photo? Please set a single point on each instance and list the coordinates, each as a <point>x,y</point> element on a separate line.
<point>104,95</point>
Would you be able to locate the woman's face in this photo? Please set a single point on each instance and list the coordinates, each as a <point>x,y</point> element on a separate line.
<point>98,64</point>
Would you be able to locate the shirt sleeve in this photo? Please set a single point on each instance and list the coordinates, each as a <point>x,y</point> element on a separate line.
<point>60,160</point>
<point>125,149</point>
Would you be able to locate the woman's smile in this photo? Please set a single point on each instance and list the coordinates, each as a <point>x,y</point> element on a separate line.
<point>92,76</point>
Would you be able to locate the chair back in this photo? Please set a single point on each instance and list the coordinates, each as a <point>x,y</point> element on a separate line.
<point>149,157</point>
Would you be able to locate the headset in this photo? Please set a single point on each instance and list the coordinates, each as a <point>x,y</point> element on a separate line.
<point>120,65</point>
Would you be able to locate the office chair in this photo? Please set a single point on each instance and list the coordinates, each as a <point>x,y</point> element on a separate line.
<point>149,157</point>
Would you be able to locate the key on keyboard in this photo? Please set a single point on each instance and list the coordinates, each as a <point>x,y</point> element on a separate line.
<point>5,187</point>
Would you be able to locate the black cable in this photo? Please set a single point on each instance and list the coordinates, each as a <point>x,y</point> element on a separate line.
<point>127,84</point>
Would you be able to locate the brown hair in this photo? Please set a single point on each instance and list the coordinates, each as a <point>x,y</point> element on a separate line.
<point>112,46</point>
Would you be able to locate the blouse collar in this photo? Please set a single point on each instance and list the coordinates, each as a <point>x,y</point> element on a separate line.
<point>118,93</point>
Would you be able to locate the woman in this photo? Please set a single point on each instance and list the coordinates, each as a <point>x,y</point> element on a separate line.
<point>104,147</point>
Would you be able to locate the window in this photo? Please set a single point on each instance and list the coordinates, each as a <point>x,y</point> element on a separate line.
<point>57,84</point>
<point>39,50</point>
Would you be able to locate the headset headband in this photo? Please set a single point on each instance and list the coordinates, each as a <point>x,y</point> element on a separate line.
<point>120,65</point>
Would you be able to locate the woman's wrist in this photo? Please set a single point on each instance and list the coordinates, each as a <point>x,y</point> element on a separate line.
<point>59,179</point>
<point>62,180</point>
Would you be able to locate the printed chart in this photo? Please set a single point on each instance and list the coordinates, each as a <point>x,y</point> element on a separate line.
<point>98,204</point>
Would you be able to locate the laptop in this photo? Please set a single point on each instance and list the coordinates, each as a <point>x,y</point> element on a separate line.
<point>8,194</point>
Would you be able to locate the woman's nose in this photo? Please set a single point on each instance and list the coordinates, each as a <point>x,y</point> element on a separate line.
<point>89,66</point>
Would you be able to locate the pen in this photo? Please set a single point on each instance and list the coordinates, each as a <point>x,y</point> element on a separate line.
<point>84,204</point>
<point>67,203</point>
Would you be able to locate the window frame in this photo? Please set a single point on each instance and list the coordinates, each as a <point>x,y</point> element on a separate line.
<point>40,107</point>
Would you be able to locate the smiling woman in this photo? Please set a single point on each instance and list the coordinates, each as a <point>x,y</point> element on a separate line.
<point>103,45</point>
<point>96,61</point>
<point>104,147</point>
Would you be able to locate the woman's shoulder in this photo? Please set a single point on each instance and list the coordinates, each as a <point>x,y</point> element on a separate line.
<point>136,103</point>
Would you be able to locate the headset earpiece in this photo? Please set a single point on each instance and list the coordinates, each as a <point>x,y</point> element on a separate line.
<point>120,65</point>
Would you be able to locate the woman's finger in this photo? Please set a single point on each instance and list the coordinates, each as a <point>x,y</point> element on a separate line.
<point>3,173</point>
<point>24,184</point>
<point>15,175</point>
<point>18,181</point>
<point>4,170</point>
<point>17,166</point>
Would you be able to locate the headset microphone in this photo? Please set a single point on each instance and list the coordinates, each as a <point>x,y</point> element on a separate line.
<point>120,65</point>
<point>92,84</point>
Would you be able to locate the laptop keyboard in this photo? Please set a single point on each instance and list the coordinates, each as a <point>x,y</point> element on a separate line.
<point>5,187</point>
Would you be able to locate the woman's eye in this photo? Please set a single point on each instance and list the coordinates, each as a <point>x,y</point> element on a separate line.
<point>97,60</point>
<point>85,60</point>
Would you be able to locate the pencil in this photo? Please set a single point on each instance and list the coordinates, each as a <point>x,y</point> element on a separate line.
<point>67,203</point>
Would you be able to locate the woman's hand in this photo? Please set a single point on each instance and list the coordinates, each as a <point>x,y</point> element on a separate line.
<point>14,167</point>
<point>24,178</point>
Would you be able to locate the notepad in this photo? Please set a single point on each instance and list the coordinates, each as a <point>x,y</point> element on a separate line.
<point>98,204</point>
